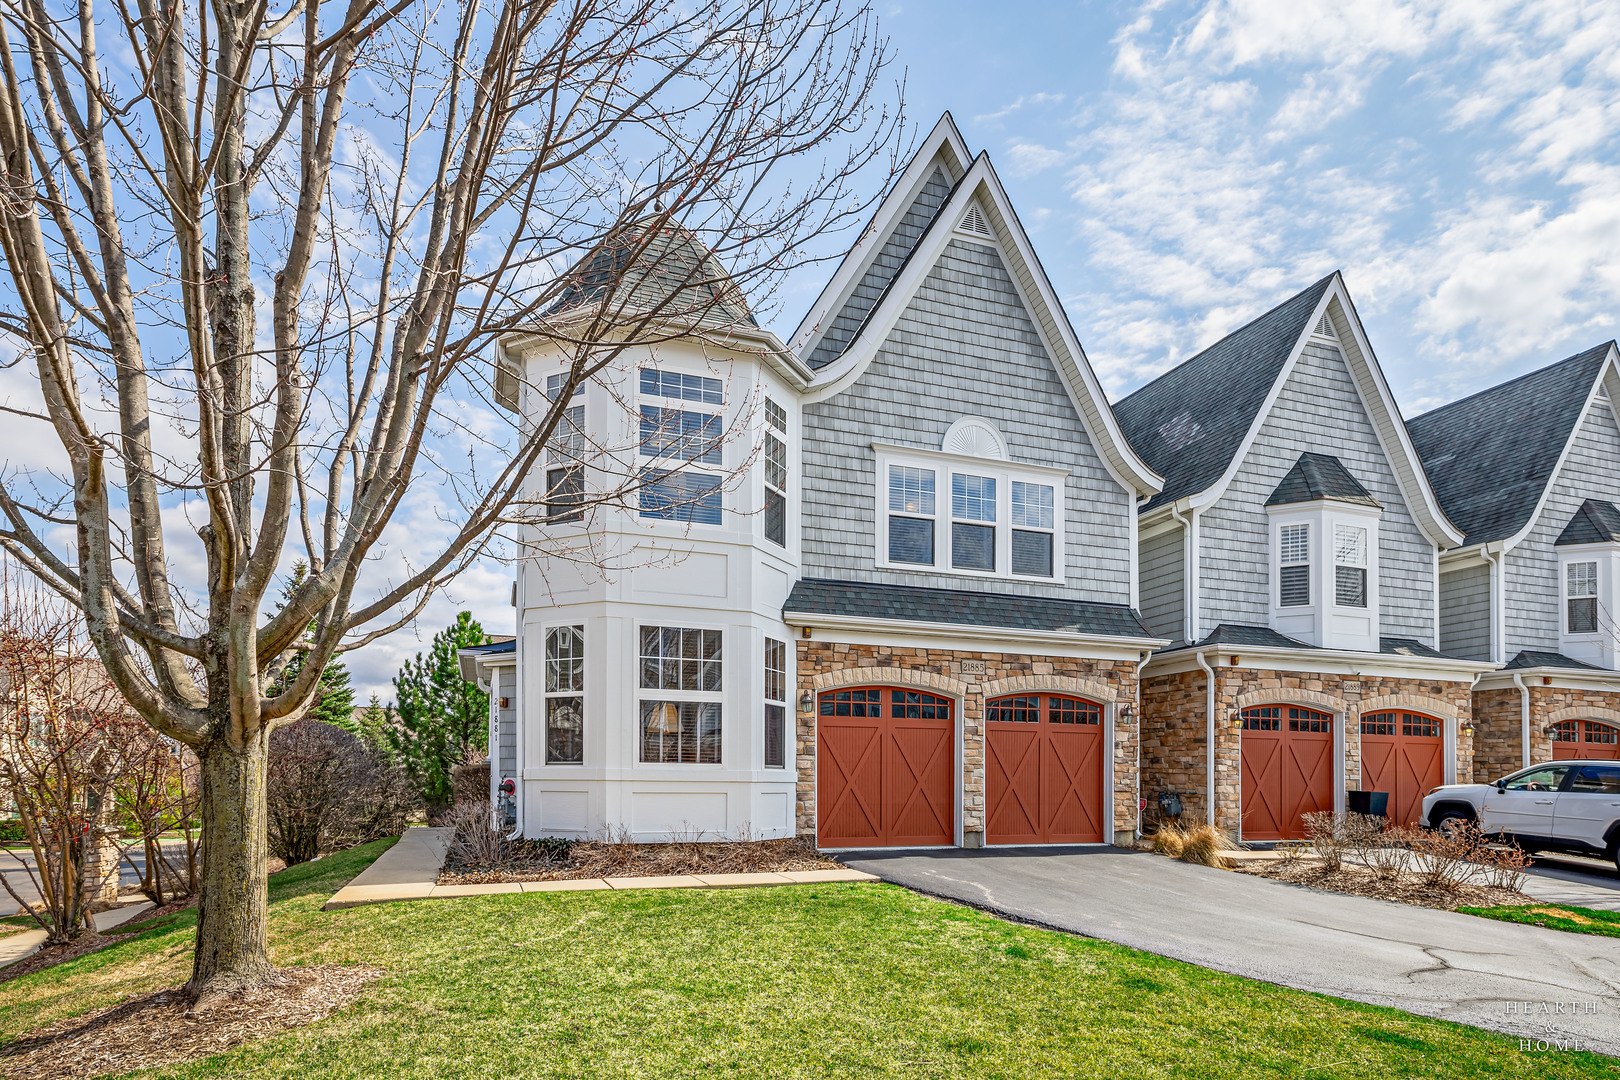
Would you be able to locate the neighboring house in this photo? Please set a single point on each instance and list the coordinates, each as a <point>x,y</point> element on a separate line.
<point>917,539</point>
<point>1292,557</point>
<point>1530,471</point>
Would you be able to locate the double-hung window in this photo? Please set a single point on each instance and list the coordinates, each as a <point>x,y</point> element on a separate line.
<point>1350,566</point>
<point>776,473</point>
<point>1294,565</point>
<point>1581,590</point>
<point>565,474</point>
<point>1033,525</point>
<point>565,695</point>
<point>681,443</point>
<point>680,675</point>
<point>776,696</point>
<point>911,515</point>
<point>973,522</point>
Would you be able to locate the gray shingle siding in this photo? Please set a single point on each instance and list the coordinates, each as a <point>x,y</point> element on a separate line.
<point>1530,570</point>
<point>1317,410</point>
<point>1164,581</point>
<point>964,346</point>
<point>1465,612</point>
<point>506,687</point>
<point>902,238</point>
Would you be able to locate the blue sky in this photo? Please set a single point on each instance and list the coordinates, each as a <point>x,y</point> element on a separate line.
<point>1182,167</point>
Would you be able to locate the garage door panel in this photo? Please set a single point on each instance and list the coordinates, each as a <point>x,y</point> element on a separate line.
<point>884,777</point>
<point>1285,770</point>
<point>1402,754</point>
<point>1012,783</point>
<point>1585,740</point>
<point>1044,761</point>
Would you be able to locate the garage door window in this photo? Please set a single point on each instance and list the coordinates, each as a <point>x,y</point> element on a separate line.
<point>1276,717</point>
<point>1410,725</point>
<point>1583,731</point>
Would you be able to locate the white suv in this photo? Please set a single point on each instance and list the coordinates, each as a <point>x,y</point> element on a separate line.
<point>1571,806</point>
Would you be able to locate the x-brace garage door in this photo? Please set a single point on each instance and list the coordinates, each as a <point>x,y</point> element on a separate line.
<point>1287,770</point>
<point>884,762</point>
<point>1402,753</point>
<point>1043,771</point>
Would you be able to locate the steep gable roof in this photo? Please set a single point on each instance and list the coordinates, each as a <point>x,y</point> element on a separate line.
<point>1190,422</point>
<point>1491,456</point>
<point>979,188</point>
<point>1195,423</point>
<point>1596,522</point>
<point>1319,476</point>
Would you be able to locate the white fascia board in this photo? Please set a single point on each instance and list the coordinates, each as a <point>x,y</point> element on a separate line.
<point>1563,678</point>
<point>754,342</point>
<point>1387,421</point>
<point>1319,661</point>
<point>1079,381</point>
<point>1607,372</point>
<point>1460,558</point>
<point>855,630</point>
<point>944,143</point>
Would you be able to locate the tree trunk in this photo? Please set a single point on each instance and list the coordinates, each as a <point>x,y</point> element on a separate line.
<point>231,953</point>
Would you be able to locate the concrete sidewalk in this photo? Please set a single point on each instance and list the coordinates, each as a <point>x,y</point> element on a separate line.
<point>409,871</point>
<point>25,943</point>
<point>1520,980</point>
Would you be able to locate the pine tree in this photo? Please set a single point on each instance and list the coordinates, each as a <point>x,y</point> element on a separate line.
<point>334,702</point>
<point>374,728</point>
<point>441,716</point>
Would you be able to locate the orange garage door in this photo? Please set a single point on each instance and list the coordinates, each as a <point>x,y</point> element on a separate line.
<point>1584,739</point>
<point>1043,771</point>
<point>1404,754</point>
<point>1287,770</point>
<point>884,764</point>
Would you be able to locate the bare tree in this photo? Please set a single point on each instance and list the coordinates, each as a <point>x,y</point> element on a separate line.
<point>65,735</point>
<point>157,793</point>
<point>397,185</point>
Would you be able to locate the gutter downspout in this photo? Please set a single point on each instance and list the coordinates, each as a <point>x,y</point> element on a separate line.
<point>1189,591</point>
<point>1209,734</point>
<point>1524,717</point>
<point>1498,616</point>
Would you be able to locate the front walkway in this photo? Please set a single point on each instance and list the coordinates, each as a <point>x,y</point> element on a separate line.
<point>25,943</point>
<point>1435,963</point>
<point>409,870</point>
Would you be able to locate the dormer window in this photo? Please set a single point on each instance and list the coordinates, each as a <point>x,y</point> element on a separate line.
<point>1580,604</point>
<point>1294,565</point>
<point>1350,566</point>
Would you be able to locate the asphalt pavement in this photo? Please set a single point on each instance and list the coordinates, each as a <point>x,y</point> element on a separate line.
<point>1520,980</point>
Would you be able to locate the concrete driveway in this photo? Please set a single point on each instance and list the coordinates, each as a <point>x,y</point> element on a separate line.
<point>1520,980</point>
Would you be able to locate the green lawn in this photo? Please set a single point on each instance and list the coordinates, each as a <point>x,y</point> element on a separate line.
<point>1577,920</point>
<point>796,982</point>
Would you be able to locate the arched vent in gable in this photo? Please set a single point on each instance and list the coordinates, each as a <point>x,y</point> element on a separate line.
<point>1324,328</point>
<point>974,222</point>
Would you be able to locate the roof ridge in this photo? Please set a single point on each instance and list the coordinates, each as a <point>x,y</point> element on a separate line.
<point>1516,379</point>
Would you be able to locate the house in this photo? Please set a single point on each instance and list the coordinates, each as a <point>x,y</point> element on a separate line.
<point>877,587</point>
<point>1292,557</point>
<point>1528,471</point>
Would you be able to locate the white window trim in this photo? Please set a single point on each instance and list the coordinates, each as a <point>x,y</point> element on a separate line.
<point>547,695</point>
<point>789,657</point>
<point>1004,472</point>
<point>1593,556</point>
<point>682,465</point>
<point>643,693</point>
<point>1323,516</point>
<point>785,437</point>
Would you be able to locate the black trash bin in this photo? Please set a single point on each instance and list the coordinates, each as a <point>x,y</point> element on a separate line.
<point>1371,803</point>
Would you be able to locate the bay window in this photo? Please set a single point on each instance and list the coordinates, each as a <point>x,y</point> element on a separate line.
<point>1294,565</point>
<point>1350,566</point>
<point>776,696</point>
<point>776,474</point>
<point>1581,597</point>
<point>564,696</point>
<point>680,442</point>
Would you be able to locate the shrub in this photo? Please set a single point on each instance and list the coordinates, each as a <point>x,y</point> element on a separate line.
<point>475,842</point>
<point>11,831</point>
<point>1328,838</point>
<point>1503,867</point>
<point>1441,859</point>
<point>469,781</point>
<point>329,791</point>
<point>1201,844</point>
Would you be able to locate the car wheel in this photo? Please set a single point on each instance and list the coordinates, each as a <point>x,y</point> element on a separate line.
<point>1449,820</point>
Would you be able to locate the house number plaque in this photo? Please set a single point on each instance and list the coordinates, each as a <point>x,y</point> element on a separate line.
<point>971,667</point>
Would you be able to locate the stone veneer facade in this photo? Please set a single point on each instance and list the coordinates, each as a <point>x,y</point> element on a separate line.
<point>824,665</point>
<point>1498,722</point>
<point>1173,724</point>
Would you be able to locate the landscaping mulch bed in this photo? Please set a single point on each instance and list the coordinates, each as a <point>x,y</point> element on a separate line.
<point>595,859</point>
<point>153,1030</point>
<point>1405,889</point>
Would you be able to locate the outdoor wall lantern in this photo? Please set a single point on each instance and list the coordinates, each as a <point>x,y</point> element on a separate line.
<point>1237,718</point>
<point>807,702</point>
<point>1126,715</point>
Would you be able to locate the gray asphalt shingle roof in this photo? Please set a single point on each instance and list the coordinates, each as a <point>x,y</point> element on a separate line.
<point>1531,658</point>
<point>1490,456</point>
<point>910,603</point>
<point>1596,522</point>
<point>1189,422</point>
<point>1234,635</point>
<point>669,273</point>
<point>1319,476</point>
